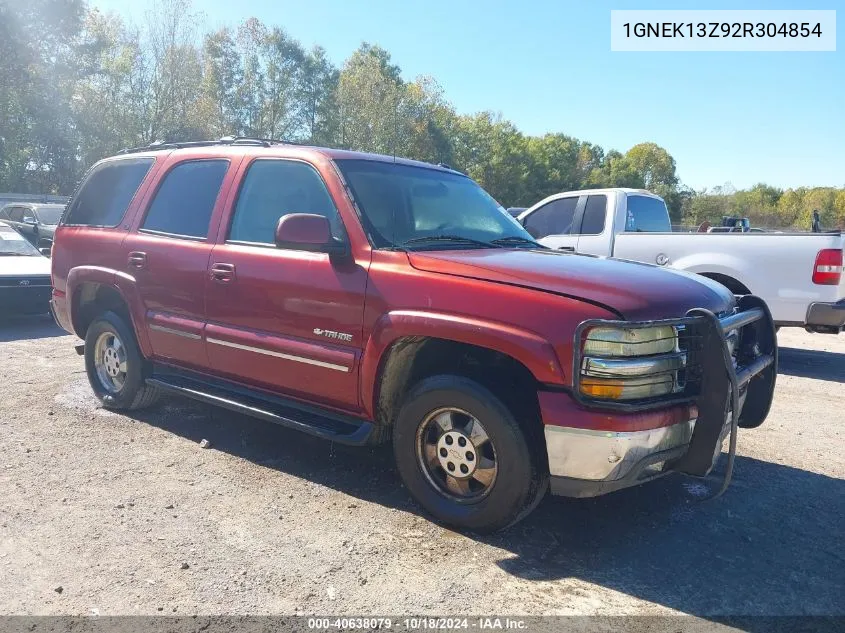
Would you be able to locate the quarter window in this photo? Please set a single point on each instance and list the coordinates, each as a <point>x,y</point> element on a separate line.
<point>107,191</point>
<point>554,218</point>
<point>185,200</point>
<point>275,188</point>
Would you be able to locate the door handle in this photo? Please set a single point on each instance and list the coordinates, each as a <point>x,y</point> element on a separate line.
<point>223,273</point>
<point>137,259</point>
<point>566,248</point>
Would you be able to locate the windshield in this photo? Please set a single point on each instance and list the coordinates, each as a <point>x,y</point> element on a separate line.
<point>50,215</point>
<point>404,205</point>
<point>13,243</point>
<point>647,214</point>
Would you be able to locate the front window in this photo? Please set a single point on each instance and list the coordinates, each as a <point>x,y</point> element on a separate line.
<point>13,243</point>
<point>417,207</point>
<point>50,215</point>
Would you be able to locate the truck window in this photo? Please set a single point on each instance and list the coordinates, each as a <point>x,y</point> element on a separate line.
<point>647,215</point>
<point>594,214</point>
<point>184,201</point>
<point>107,191</point>
<point>273,188</point>
<point>554,218</point>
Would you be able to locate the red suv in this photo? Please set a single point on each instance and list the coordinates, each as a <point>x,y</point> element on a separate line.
<point>360,297</point>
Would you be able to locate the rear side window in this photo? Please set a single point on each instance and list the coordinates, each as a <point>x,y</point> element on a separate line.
<point>554,218</point>
<point>647,215</point>
<point>275,188</point>
<point>594,213</point>
<point>106,193</point>
<point>184,201</point>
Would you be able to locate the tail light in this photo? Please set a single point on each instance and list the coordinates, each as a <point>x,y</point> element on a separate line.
<point>828,268</point>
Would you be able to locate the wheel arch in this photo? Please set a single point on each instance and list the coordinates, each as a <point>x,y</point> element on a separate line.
<point>731,283</point>
<point>93,291</point>
<point>401,353</point>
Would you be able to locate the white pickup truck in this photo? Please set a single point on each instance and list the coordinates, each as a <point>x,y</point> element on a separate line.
<point>799,275</point>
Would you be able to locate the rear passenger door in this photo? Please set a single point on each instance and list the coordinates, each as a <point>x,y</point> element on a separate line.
<point>168,250</point>
<point>552,223</point>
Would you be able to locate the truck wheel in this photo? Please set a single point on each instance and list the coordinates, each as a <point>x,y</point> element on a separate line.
<point>464,457</point>
<point>115,366</point>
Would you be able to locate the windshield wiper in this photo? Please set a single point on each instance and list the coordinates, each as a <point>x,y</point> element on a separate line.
<point>448,238</point>
<point>516,239</point>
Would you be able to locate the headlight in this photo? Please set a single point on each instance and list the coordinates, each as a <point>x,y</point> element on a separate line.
<point>631,363</point>
<point>609,341</point>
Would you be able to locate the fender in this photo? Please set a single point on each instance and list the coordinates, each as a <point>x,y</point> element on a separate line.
<point>125,285</point>
<point>720,263</point>
<point>530,349</point>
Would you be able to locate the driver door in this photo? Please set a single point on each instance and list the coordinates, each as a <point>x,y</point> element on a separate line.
<point>553,223</point>
<point>288,321</point>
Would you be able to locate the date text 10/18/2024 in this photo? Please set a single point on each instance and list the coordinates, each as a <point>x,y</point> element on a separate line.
<point>419,624</point>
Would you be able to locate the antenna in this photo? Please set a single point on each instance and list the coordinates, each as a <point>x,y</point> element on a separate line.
<point>395,122</point>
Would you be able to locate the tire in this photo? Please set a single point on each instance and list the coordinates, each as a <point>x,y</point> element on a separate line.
<point>521,473</point>
<point>133,393</point>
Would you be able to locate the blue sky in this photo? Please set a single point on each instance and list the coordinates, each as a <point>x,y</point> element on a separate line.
<point>547,66</point>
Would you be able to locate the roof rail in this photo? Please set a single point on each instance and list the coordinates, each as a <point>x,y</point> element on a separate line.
<point>225,140</point>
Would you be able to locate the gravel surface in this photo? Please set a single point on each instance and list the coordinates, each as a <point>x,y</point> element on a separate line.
<point>103,513</point>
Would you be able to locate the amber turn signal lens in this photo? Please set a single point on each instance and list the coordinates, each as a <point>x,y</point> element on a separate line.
<point>602,388</point>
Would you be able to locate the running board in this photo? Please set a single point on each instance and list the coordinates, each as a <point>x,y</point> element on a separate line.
<point>326,425</point>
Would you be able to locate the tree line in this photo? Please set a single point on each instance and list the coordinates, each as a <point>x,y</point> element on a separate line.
<point>77,85</point>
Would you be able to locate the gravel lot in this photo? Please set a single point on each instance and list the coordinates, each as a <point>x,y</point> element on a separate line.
<point>128,515</point>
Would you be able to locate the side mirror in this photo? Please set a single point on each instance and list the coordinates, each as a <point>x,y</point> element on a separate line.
<point>47,252</point>
<point>308,232</point>
<point>30,221</point>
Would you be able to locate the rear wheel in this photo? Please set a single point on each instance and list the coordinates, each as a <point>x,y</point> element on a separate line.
<point>115,366</point>
<point>465,458</point>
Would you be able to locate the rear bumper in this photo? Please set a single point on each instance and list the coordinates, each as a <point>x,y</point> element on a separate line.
<point>58,308</point>
<point>826,315</point>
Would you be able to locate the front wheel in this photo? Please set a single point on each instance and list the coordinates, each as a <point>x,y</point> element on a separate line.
<point>115,366</point>
<point>465,458</point>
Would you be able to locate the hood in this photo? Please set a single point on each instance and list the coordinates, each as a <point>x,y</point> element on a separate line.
<point>24,266</point>
<point>635,291</point>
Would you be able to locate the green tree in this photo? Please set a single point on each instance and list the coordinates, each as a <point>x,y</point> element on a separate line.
<point>38,69</point>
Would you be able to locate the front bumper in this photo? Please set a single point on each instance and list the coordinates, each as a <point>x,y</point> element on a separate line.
<point>592,451</point>
<point>587,463</point>
<point>826,316</point>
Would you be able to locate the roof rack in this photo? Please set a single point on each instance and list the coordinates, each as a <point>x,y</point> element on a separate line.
<point>225,140</point>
